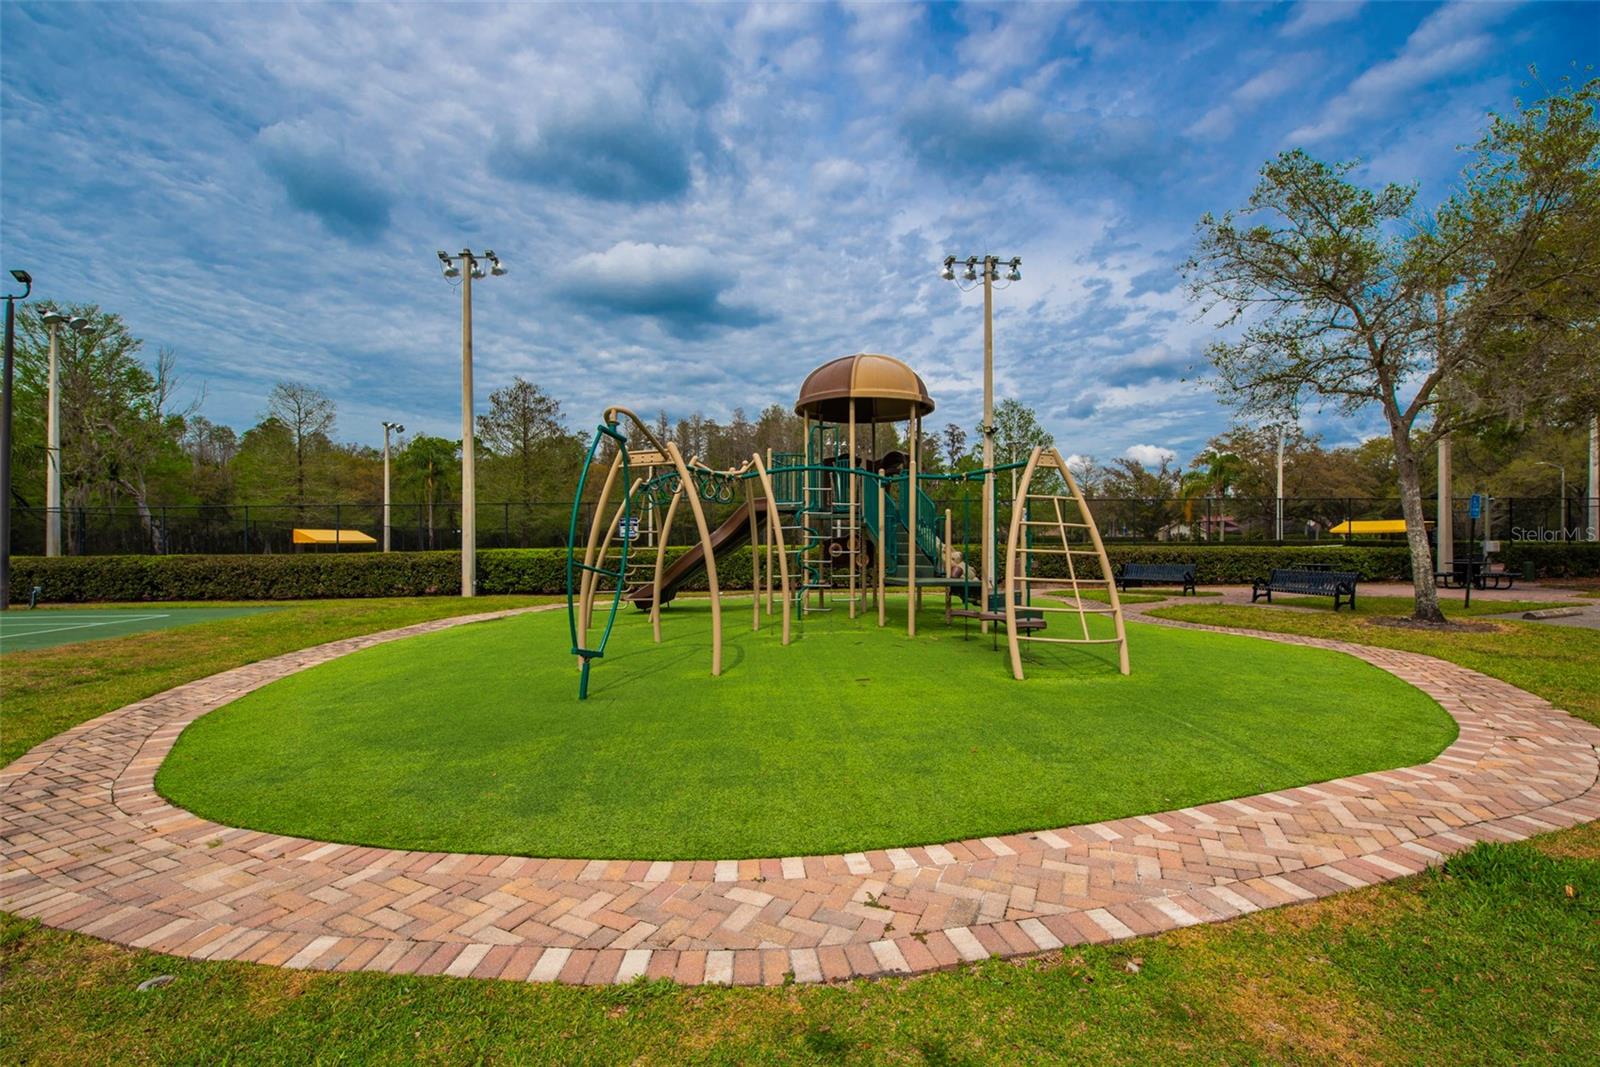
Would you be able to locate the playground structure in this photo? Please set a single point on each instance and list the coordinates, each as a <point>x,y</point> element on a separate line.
<point>835,526</point>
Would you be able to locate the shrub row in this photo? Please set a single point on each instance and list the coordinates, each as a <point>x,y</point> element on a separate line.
<point>77,579</point>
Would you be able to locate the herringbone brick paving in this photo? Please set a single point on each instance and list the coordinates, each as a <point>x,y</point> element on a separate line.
<point>89,845</point>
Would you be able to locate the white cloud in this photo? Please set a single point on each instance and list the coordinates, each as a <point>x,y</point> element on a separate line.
<point>1150,455</point>
<point>1311,15</point>
<point>768,208</point>
<point>1259,88</point>
<point>1446,42</point>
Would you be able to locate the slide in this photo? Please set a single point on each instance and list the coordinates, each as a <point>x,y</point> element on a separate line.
<point>733,532</point>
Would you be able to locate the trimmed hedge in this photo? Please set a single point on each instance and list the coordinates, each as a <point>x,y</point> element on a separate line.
<point>302,576</point>
<point>79,579</point>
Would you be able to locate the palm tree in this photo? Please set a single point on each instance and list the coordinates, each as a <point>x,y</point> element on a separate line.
<point>1213,475</point>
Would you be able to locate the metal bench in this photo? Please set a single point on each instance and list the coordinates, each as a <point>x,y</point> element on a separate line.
<point>1157,574</point>
<point>1475,572</point>
<point>1341,585</point>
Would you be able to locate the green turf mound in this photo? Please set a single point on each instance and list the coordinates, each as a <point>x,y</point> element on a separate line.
<point>853,738</point>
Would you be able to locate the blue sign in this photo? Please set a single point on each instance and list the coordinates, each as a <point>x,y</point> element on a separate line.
<point>1475,507</point>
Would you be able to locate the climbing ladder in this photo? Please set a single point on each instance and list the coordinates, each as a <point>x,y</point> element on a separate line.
<point>593,569</point>
<point>584,576</point>
<point>1053,525</point>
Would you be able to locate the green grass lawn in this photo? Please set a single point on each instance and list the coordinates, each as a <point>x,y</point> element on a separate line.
<point>1491,960</point>
<point>1559,663</point>
<point>852,738</point>
<point>1449,602</point>
<point>1132,596</point>
<point>44,692</point>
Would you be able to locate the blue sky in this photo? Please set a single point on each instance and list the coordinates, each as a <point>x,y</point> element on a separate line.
<point>700,204</point>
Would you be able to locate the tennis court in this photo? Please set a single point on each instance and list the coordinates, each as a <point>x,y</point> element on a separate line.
<point>22,630</point>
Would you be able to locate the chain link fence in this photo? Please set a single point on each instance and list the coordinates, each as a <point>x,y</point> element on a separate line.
<point>269,528</point>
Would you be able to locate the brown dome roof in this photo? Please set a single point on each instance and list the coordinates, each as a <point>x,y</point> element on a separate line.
<point>884,389</point>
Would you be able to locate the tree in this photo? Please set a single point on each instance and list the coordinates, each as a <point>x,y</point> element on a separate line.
<point>777,428</point>
<point>1017,432</point>
<point>1213,475</point>
<point>307,414</point>
<point>116,417</point>
<point>1144,497</point>
<point>425,465</point>
<point>211,449</point>
<point>955,443</point>
<point>1346,299</point>
<point>523,425</point>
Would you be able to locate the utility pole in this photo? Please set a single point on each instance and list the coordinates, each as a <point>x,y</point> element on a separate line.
<point>466,266</point>
<point>990,266</point>
<point>1594,477</point>
<point>1282,433</point>
<point>52,448</point>
<point>387,428</point>
<point>1562,467</point>
<point>1444,531</point>
<point>7,376</point>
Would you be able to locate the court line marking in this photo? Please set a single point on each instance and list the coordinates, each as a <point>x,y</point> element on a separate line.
<point>81,625</point>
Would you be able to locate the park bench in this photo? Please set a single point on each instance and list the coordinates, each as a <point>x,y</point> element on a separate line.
<point>1479,573</point>
<point>1341,585</point>
<point>1157,574</point>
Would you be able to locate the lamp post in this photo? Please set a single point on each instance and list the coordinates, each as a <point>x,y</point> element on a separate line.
<point>1282,433</point>
<point>466,266</point>
<point>52,449</point>
<point>388,427</point>
<point>1562,468</point>
<point>6,377</point>
<point>990,267</point>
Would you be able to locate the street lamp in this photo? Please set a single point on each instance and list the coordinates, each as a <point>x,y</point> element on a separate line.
<point>1562,468</point>
<point>990,268</point>
<point>6,377</point>
<point>467,265</point>
<point>387,428</point>
<point>52,449</point>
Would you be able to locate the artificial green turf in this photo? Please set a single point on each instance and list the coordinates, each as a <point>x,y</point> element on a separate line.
<point>852,738</point>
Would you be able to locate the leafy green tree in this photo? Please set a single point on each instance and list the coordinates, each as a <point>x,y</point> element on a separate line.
<point>523,428</point>
<point>1141,499</point>
<point>307,415</point>
<point>118,426</point>
<point>1347,299</point>
<point>211,448</point>
<point>429,469</point>
<point>954,440</point>
<point>1213,475</point>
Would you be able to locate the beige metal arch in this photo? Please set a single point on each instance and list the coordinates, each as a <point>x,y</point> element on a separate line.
<point>774,536</point>
<point>600,531</point>
<point>661,565</point>
<point>1019,552</point>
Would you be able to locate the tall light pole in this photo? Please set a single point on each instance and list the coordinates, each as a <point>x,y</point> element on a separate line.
<point>6,379</point>
<point>1282,433</point>
<point>1562,468</point>
<point>388,427</point>
<point>990,268</point>
<point>1594,477</point>
<point>466,266</point>
<point>52,433</point>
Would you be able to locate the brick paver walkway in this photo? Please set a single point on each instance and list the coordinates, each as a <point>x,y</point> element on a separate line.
<point>88,845</point>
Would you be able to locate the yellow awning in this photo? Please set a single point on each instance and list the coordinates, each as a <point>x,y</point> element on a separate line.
<point>332,537</point>
<point>1370,526</point>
